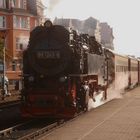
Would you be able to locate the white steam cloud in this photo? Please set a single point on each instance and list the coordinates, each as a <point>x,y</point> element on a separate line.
<point>52,4</point>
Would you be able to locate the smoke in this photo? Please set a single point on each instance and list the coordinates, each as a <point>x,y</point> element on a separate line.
<point>114,91</point>
<point>97,101</point>
<point>52,4</point>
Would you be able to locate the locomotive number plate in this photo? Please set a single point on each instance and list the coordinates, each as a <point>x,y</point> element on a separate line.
<point>48,55</point>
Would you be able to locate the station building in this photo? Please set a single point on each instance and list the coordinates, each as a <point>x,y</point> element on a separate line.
<point>17,19</point>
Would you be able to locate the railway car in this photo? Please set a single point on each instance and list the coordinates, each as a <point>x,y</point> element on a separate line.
<point>118,73</point>
<point>133,68</point>
<point>63,70</point>
<point>121,72</point>
<point>124,69</point>
<point>138,71</point>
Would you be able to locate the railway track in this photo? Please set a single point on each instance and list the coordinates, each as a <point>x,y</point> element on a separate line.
<point>33,129</point>
<point>29,130</point>
<point>10,104</point>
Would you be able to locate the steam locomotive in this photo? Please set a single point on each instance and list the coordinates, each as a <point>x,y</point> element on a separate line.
<point>62,70</point>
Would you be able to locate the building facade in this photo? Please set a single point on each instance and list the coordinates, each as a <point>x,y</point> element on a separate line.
<point>17,19</point>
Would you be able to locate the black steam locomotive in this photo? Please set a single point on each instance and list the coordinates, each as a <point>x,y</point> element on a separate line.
<point>62,70</point>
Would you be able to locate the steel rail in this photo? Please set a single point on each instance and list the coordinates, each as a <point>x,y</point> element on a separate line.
<point>48,128</point>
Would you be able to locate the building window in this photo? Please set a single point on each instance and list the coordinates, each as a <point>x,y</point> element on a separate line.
<point>22,4</point>
<point>21,22</point>
<point>17,4</point>
<point>12,3</point>
<point>2,4</point>
<point>36,23</point>
<point>16,21</point>
<point>21,43</point>
<point>28,22</point>
<point>13,66</point>
<point>2,21</point>
<point>1,67</point>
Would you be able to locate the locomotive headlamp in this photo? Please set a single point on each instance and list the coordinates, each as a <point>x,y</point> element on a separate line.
<point>48,23</point>
<point>62,79</point>
<point>67,93</point>
<point>31,78</point>
<point>41,76</point>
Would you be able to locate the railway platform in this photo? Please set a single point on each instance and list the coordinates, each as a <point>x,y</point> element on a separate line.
<point>118,119</point>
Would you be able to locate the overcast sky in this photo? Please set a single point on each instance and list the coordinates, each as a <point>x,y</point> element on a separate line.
<point>121,15</point>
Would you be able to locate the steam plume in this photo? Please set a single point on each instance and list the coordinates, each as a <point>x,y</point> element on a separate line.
<point>52,4</point>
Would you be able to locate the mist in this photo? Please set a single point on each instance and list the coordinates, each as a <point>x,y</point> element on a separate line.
<point>52,4</point>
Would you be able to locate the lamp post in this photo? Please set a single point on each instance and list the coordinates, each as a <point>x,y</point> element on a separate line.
<point>3,36</point>
<point>4,87</point>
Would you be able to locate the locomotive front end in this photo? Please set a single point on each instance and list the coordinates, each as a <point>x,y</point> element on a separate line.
<point>48,53</point>
<point>47,87</point>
